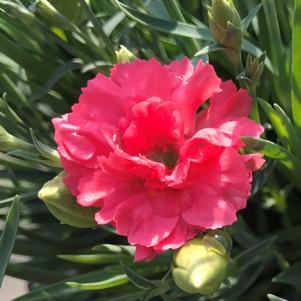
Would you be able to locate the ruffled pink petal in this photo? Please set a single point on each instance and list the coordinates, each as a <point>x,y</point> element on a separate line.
<point>136,219</point>
<point>235,181</point>
<point>79,144</point>
<point>240,127</point>
<point>73,172</point>
<point>156,127</point>
<point>182,69</point>
<point>228,131</point>
<point>229,102</point>
<point>111,202</point>
<point>214,136</point>
<point>143,79</point>
<point>134,168</point>
<point>144,253</point>
<point>93,187</point>
<point>254,161</point>
<point>177,238</point>
<point>88,185</point>
<point>99,103</point>
<point>210,211</point>
<point>196,89</point>
<point>222,188</point>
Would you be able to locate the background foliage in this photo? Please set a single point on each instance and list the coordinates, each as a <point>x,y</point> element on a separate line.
<point>48,53</point>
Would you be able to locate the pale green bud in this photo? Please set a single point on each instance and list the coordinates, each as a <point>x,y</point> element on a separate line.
<point>225,24</point>
<point>63,206</point>
<point>9,142</point>
<point>200,266</point>
<point>123,55</point>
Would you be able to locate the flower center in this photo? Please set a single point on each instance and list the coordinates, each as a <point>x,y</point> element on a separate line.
<point>169,157</point>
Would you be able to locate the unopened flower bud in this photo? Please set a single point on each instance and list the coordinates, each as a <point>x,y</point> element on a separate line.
<point>225,24</point>
<point>200,266</point>
<point>9,142</point>
<point>63,206</point>
<point>123,55</point>
<point>254,69</point>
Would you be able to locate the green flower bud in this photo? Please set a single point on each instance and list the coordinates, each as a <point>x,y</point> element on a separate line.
<point>63,206</point>
<point>123,55</point>
<point>225,24</point>
<point>254,69</point>
<point>201,265</point>
<point>9,142</point>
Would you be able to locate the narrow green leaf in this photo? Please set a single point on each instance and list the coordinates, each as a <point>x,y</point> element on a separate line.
<point>27,196</point>
<point>55,77</point>
<point>59,289</point>
<point>8,236</point>
<point>248,256</point>
<point>208,49</point>
<point>172,27</point>
<point>273,150</point>
<point>291,276</point>
<point>243,281</point>
<point>249,18</point>
<point>124,297</point>
<point>296,70</point>
<point>95,258</point>
<point>30,272</point>
<point>138,280</point>
<point>291,165</point>
<point>109,248</point>
<point>46,151</point>
<point>106,41</point>
<point>275,298</point>
<point>113,22</point>
<point>108,283</point>
<point>274,32</point>
<point>294,138</point>
<point>10,161</point>
<point>183,29</point>
<point>282,125</point>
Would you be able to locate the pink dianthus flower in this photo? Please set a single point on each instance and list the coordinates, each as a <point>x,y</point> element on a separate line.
<point>160,166</point>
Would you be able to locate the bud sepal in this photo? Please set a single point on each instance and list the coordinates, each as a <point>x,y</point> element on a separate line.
<point>63,206</point>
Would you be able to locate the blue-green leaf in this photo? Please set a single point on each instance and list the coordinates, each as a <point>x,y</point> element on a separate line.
<point>283,126</point>
<point>8,236</point>
<point>95,258</point>
<point>248,19</point>
<point>208,49</point>
<point>291,276</point>
<point>172,27</point>
<point>291,165</point>
<point>100,285</point>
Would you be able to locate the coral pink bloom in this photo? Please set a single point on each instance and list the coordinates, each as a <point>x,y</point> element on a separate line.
<point>160,168</point>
